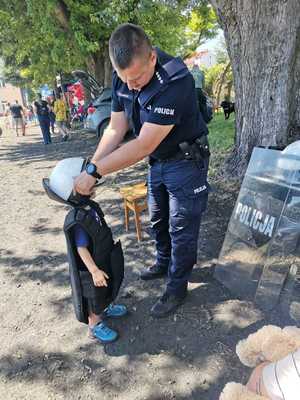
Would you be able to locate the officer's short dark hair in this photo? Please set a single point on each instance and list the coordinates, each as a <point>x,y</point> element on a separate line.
<point>128,41</point>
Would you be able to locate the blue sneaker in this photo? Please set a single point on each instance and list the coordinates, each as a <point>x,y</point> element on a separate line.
<point>104,334</point>
<point>115,311</point>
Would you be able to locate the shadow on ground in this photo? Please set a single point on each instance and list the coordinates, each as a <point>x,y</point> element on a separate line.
<point>189,355</point>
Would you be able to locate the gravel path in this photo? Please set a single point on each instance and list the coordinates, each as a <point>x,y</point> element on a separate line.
<point>45,353</point>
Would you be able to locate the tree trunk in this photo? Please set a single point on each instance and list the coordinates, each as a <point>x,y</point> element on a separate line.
<point>227,91</point>
<point>99,65</point>
<point>108,69</point>
<point>263,41</point>
<point>221,82</point>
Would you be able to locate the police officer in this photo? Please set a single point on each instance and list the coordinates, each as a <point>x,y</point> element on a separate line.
<point>155,93</point>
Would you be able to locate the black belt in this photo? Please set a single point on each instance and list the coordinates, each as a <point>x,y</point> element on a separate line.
<point>175,157</point>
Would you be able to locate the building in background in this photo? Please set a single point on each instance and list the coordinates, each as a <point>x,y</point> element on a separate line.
<point>10,93</point>
<point>205,55</point>
<point>203,58</point>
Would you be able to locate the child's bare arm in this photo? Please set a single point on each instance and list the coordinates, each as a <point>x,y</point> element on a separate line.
<point>99,276</point>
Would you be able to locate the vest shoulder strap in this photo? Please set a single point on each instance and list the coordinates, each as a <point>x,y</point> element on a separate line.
<point>95,206</point>
<point>70,219</point>
<point>172,70</point>
<point>175,68</point>
<point>79,214</point>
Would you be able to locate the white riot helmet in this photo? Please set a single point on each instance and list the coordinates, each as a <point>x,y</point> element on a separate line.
<point>293,148</point>
<point>60,185</point>
<point>291,163</point>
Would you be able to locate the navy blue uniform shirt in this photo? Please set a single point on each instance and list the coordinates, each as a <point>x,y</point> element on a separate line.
<point>162,101</point>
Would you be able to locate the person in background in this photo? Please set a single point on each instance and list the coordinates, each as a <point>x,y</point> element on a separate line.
<point>30,114</point>
<point>18,117</point>
<point>51,113</point>
<point>199,86</point>
<point>198,76</point>
<point>80,112</point>
<point>60,111</point>
<point>42,111</point>
<point>8,117</point>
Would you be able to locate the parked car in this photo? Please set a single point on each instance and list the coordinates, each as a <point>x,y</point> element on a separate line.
<point>99,109</point>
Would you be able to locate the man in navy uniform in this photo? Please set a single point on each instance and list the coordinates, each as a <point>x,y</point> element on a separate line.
<point>155,93</point>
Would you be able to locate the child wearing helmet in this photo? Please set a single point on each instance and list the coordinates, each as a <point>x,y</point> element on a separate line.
<point>96,262</point>
<point>97,309</point>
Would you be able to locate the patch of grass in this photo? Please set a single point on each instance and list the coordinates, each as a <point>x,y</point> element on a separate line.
<point>221,140</point>
<point>221,132</point>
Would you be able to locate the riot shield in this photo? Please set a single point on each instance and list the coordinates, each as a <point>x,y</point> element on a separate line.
<point>259,256</point>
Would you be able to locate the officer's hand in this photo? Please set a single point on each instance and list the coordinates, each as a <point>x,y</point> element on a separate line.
<point>84,184</point>
<point>100,278</point>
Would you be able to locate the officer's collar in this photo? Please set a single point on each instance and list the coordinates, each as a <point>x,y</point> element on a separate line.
<point>156,80</point>
<point>154,86</point>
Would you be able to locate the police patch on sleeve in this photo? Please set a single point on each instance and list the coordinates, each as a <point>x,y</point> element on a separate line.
<point>164,111</point>
<point>169,107</point>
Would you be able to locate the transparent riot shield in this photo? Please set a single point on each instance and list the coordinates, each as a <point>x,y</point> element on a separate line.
<point>259,256</point>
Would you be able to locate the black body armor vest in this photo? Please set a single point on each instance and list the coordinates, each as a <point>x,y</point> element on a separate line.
<point>106,254</point>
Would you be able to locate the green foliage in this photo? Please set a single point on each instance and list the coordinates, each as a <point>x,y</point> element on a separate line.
<point>222,55</point>
<point>32,49</point>
<point>212,74</point>
<point>202,24</point>
<point>221,139</point>
<point>219,81</point>
<point>40,38</point>
<point>221,132</point>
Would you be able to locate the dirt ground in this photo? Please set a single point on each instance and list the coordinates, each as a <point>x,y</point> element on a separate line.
<point>45,352</point>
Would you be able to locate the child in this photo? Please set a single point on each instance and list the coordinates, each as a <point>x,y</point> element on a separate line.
<point>96,263</point>
<point>97,328</point>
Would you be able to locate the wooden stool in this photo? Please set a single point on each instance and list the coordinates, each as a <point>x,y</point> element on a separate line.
<point>135,199</point>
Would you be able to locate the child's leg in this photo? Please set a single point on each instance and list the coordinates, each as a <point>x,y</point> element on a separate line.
<point>94,319</point>
<point>97,329</point>
<point>95,315</point>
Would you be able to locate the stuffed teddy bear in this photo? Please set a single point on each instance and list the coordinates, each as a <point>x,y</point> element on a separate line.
<point>269,344</point>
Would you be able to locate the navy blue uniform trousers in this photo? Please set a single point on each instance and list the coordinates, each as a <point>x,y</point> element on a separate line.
<point>44,122</point>
<point>177,197</point>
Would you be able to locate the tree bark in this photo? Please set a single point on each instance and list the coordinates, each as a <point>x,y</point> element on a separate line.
<point>228,88</point>
<point>95,66</point>
<point>62,15</point>
<point>108,69</point>
<point>263,41</point>
<point>98,63</point>
<point>221,82</point>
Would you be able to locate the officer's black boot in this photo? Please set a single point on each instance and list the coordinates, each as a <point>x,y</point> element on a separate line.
<point>154,272</point>
<point>166,305</point>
